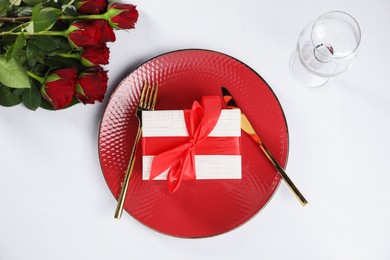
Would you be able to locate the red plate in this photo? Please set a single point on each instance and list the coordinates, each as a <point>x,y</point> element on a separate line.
<point>206,207</point>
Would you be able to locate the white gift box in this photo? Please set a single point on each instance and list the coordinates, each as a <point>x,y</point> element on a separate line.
<point>171,123</point>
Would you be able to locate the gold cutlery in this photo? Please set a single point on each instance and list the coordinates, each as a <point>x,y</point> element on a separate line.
<point>147,102</point>
<point>248,128</point>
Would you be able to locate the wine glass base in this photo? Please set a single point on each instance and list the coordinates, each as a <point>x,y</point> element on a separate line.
<point>303,76</point>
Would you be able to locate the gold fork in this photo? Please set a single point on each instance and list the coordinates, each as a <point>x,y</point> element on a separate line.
<point>147,102</point>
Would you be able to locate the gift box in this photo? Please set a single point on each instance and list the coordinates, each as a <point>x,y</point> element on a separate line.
<point>200,143</point>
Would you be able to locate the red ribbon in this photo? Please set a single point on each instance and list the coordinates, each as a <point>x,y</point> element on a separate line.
<point>200,121</point>
<point>229,145</point>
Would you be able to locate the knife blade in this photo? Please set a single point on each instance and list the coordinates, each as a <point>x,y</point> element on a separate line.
<point>247,127</point>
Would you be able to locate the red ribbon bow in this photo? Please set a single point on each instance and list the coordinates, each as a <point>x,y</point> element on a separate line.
<point>180,161</point>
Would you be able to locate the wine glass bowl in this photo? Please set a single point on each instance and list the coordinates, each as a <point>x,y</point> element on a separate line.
<point>326,48</point>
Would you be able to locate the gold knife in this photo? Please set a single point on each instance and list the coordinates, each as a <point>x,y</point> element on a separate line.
<point>248,128</point>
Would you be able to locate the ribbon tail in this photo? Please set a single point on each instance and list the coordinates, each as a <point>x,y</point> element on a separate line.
<point>174,177</point>
<point>185,167</point>
<point>166,160</point>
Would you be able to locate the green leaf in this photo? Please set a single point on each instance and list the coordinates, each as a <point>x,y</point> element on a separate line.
<point>7,98</point>
<point>45,43</point>
<point>38,69</point>
<point>63,45</point>
<point>23,11</point>
<point>33,2</point>
<point>70,10</point>
<point>32,97</point>
<point>4,4</point>
<point>18,91</point>
<point>30,28</point>
<point>21,57</point>
<point>31,51</point>
<point>46,105</point>
<point>35,12</point>
<point>7,41</point>
<point>40,58</point>
<point>14,50</point>
<point>57,62</point>
<point>45,18</point>
<point>9,52</point>
<point>64,2</point>
<point>15,2</point>
<point>13,74</point>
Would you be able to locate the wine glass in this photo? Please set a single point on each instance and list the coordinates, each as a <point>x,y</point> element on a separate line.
<point>326,48</point>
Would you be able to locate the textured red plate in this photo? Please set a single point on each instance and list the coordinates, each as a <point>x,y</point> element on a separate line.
<point>206,207</point>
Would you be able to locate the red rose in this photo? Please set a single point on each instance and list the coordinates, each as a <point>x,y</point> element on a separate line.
<point>106,33</point>
<point>84,33</point>
<point>90,33</point>
<point>122,16</point>
<point>92,86</point>
<point>94,55</point>
<point>91,6</point>
<point>60,87</point>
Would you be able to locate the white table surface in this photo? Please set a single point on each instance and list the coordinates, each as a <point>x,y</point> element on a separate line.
<point>55,204</point>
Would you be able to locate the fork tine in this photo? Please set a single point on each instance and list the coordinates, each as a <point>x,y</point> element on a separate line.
<point>146,100</point>
<point>151,96</point>
<point>154,96</point>
<point>147,97</point>
<point>142,98</point>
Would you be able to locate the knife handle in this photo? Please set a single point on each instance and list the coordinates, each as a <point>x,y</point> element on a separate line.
<point>284,175</point>
<point>125,185</point>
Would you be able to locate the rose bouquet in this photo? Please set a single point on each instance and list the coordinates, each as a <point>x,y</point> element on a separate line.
<point>51,51</point>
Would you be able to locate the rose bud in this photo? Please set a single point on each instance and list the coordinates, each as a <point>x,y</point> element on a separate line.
<point>122,16</point>
<point>91,6</point>
<point>92,86</point>
<point>94,55</point>
<point>59,87</point>
<point>90,33</point>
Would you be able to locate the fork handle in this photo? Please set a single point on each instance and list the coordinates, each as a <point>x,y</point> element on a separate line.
<point>284,175</point>
<point>125,185</point>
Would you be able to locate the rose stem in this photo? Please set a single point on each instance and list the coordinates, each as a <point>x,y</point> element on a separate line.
<point>32,75</point>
